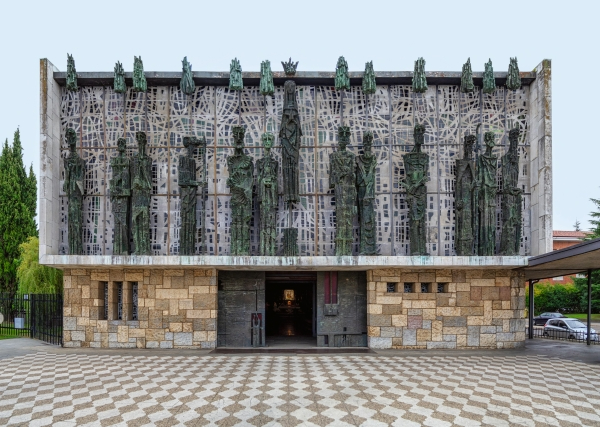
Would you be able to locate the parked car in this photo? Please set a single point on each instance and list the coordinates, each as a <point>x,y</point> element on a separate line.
<point>544,317</point>
<point>569,329</point>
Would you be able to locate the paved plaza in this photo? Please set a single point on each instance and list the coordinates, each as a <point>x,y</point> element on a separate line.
<point>548,383</point>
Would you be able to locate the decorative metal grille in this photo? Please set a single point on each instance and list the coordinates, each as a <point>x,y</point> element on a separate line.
<point>119,301</point>
<point>100,116</point>
<point>105,300</point>
<point>134,301</point>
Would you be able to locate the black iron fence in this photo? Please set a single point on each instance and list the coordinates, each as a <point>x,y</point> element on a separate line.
<point>36,316</point>
<point>552,334</point>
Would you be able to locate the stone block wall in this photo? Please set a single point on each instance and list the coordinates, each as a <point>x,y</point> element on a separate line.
<point>476,309</point>
<point>177,308</point>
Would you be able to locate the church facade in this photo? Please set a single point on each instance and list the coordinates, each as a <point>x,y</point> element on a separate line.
<point>209,210</point>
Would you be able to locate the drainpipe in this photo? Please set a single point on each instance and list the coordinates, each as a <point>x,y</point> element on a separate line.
<point>531,306</point>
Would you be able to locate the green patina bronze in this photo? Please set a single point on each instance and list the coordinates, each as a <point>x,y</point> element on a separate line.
<point>139,78</point>
<point>510,238</point>
<point>267,189</point>
<point>290,135</point>
<point>119,85</point>
<point>416,167</point>
<point>365,183</point>
<point>266,79</point>
<point>464,207</point>
<point>188,195</point>
<point>240,181</point>
<point>466,79</point>
<point>235,75</point>
<point>342,178</point>
<point>368,84</point>
<point>71,74</point>
<point>342,79</point>
<point>290,242</point>
<point>289,67</point>
<point>187,84</point>
<point>141,190</point>
<point>120,193</point>
<point>73,188</point>
<point>489,82</point>
<point>419,81</point>
<point>513,78</point>
<point>486,187</point>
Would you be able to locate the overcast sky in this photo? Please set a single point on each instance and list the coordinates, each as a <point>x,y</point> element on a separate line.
<point>391,33</point>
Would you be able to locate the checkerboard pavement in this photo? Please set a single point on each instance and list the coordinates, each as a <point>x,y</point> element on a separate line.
<point>289,390</point>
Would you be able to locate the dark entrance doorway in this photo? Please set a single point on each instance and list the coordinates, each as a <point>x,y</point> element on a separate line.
<point>290,308</point>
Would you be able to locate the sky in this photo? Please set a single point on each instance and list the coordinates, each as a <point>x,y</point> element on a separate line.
<point>390,33</point>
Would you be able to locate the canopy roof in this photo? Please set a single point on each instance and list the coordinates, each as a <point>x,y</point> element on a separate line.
<point>574,259</point>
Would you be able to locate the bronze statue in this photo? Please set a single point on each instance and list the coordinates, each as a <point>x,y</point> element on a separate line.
<point>187,84</point>
<point>188,187</point>
<point>510,238</point>
<point>416,166</point>
<point>120,193</point>
<point>141,189</point>
<point>365,183</point>
<point>71,74</point>
<point>268,197</point>
<point>73,188</point>
<point>235,75</point>
<point>290,67</point>
<point>464,208</point>
<point>369,84</point>
<point>489,82</point>
<point>513,78</point>
<point>240,181</point>
<point>266,79</point>
<point>466,79</point>
<point>486,187</point>
<point>119,85</point>
<point>342,178</point>
<point>342,79</point>
<point>139,78</point>
<point>290,134</point>
<point>419,81</point>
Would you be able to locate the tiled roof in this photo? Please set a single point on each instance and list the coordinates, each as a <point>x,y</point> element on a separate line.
<point>574,234</point>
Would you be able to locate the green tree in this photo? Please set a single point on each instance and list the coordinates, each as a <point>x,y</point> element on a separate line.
<point>550,297</point>
<point>34,278</point>
<point>17,211</point>
<point>581,285</point>
<point>595,221</point>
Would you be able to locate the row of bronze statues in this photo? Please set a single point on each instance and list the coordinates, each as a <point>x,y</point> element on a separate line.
<point>351,177</point>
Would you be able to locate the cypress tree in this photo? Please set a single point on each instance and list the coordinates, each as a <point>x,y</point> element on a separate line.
<point>17,211</point>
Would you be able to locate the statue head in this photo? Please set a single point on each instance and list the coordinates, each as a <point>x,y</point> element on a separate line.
<point>267,140</point>
<point>71,137</point>
<point>343,137</point>
<point>186,65</point>
<point>141,139</point>
<point>121,145</point>
<point>419,134</point>
<point>367,141</point>
<point>239,132</point>
<point>489,138</point>
<point>289,67</point>
<point>468,144</point>
<point>342,64</point>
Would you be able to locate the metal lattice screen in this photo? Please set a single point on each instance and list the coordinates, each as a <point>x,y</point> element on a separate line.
<point>100,116</point>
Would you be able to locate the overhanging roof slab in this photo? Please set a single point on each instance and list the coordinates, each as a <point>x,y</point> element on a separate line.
<point>277,263</point>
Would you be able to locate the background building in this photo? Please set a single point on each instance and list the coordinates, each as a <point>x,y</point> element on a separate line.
<point>391,300</point>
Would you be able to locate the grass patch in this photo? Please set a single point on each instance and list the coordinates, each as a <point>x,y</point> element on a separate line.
<point>7,337</point>
<point>583,316</point>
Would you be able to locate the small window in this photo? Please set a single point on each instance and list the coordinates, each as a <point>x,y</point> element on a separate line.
<point>558,278</point>
<point>409,288</point>
<point>105,308</point>
<point>119,300</point>
<point>391,287</point>
<point>442,288</point>
<point>331,294</point>
<point>134,301</point>
<point>425,288</point>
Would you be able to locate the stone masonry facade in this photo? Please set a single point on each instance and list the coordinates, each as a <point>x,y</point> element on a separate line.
<point>176,308</point>
<point>459,309</point>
